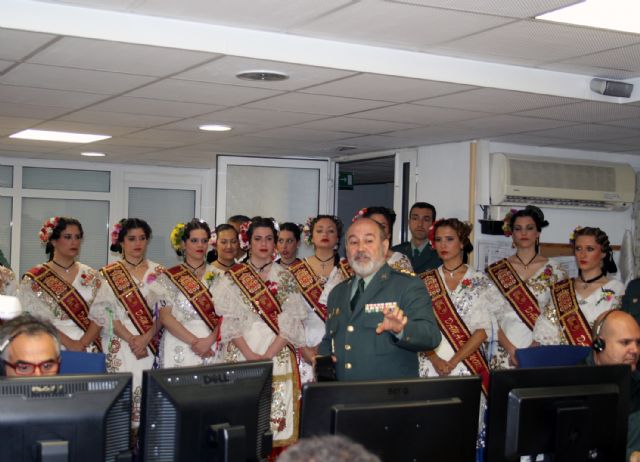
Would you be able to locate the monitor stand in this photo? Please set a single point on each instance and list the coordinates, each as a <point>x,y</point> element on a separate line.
<point>53,451</point>
<point>572,426</point>
<point>228,442</point>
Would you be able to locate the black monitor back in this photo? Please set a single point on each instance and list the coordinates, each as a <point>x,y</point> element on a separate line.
<point>91,413</point>
<point>399,420</point>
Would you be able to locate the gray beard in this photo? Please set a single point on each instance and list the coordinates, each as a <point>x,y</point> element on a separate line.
<point>366,269</point>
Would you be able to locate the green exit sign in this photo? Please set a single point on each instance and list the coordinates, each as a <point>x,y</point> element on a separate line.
<point>345,180</point>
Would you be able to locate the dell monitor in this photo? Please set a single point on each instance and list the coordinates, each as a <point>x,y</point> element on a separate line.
<point>218,413</point>
<point>71,418</point>
<point>574,414</point>
<point>433,419</point>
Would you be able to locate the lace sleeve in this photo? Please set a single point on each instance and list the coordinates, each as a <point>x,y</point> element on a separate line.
<point>7,282</point>
<point>237,315</point>
<point>35,301</point>
<point>547,329</point>
<point>334,279</point>
<point>291,319</point>
<point>106,307</point>
<point>496,305</point>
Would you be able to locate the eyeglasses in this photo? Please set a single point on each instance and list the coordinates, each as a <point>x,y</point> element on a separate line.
<point>48,367</point>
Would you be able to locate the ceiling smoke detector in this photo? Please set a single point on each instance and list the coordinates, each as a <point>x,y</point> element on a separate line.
<point>262,76</point>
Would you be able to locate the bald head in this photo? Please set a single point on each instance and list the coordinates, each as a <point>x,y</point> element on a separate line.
<point>621,335</point>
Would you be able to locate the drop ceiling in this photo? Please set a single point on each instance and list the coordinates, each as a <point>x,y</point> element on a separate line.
<point>368,74</point>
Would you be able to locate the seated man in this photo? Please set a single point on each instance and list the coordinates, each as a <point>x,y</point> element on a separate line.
<point>616,340</point>
<point>29,347</point>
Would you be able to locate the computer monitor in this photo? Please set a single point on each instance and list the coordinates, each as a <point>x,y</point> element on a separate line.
<point>565,413</point>
<point>74,418</point>
<point>207,413</point>
<point>432,419</point>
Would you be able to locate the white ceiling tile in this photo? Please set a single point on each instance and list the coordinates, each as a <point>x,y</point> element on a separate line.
<point>112,151</point>
<point>11,144</point>
<point>494,100</point>
<point>295,133</point>
<point>626,123</point>
<point>350,124</point>
<point>4,65</point>
<point>117,118</point>
<point>46,97</point>
<point>624,58</point>
<point>138,142</point>
<point>18,123</point>
<point>17,44</point>
<point>397,25</point>
<point>176,137</point>
<point>631,141</point>
<point>541,41</point>
<point>593,146</point>
<point>386,88</point>
<point>33,111</point>
<point>118,57</point>
<point>420,115</point>
<point>314,104</point>
<point>527,139</point>
<point>61,78</point>
<point>375,142</point>
<point>200,92</point>
<point>154,107</point>
<point>512,8</point>
<point>78,127</point>
<point>512,123</point>
<point>589,132</point>
<point>261,117</point>
<point>593,71</point>
<point>224,71</point>
<point>586,111</point>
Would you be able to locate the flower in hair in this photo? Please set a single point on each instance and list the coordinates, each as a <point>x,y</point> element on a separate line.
<point>306,230</point>
<point>360,214</point>
<point>47,229</point>
<point>431,235</point>
<point>572,236</point>
<point>243,236</point>
<point>506,222</point>
<point>176,236</point>
<point>115,232</point>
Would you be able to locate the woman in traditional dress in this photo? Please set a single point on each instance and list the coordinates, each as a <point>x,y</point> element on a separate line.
<point>263,315</point>
<point>225,241</point>
<point>8,285</point>
<point>387,217</point>
<point>192,326</point>
<point>581,300</point>
<point>288,244</point>
<point>63,289</point>
<point>464,297</point>
<point>126,306</point>
<point>524,279</point>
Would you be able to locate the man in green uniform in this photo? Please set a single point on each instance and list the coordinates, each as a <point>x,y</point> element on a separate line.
<point>422,256</point>
<point>379,319</point>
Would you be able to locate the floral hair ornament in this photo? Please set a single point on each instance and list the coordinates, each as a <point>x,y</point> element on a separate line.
<point>47,229</point>
<point>243,235</point>
<point>506,222</point>
<point>306,231</point>
<point>115,232</point>
<point>360,214</point>
<point>572,236</point>
<point>176,236</point>
<point>431,235</point>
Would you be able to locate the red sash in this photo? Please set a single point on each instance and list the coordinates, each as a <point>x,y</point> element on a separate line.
<point>523,302</point>
<point>310,286</point>
<point>68,298</point>
<point>345,268</point>
<point>197,294</point>
<point>574,325</point>
<point>129,295</point>
<point>452,325</point>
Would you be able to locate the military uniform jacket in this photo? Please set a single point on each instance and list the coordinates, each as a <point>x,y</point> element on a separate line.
<point>361,353</point>
<point>631,299</point>
<point>426,260</point>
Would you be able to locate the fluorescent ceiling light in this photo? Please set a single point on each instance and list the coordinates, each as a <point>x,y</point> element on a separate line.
<point>214,128</point>
<point>93,154</point>
<point>620,15</point>
<point>64,137</point>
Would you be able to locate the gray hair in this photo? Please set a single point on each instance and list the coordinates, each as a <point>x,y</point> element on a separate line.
<point>29,325</point>
<point>379,227</point>
<point>335,448</point>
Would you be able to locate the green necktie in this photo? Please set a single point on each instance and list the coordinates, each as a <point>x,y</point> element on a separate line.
<point>356,296</point>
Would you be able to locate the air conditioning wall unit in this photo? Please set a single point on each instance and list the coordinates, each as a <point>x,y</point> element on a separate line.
<point>562,183</point>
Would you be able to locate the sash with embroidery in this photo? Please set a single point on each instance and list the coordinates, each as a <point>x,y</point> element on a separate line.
<point>310,286</point>
<point>523,302</point>
<point>345,268</point>
<point>67,297</point>
<point>452,325</point>
<point>132,299</point>
<point>197,294</point>
<point>575,326</point>
<point>265,303</point>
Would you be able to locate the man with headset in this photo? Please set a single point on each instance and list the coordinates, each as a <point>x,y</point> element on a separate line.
<point>616,340</point>
<point>29,346</point>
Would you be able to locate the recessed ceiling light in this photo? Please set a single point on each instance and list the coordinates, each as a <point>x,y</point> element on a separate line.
<point>262,76</point>
<point>214,128</point>
<point>620,15</point>
<point>64,137</point>
<point>93,154</point>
